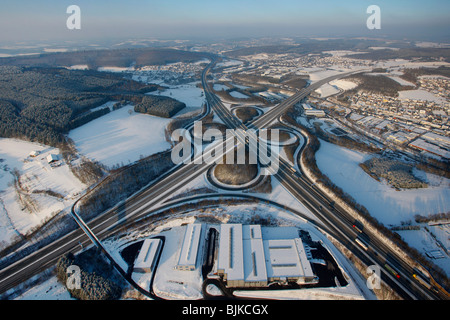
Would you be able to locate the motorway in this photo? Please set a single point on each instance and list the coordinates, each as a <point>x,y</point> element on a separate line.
<point>140,204</point>
<point>334,217</point>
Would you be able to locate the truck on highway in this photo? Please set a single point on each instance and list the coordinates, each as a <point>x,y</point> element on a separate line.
<point>424,280</point>
<point>358,226</point>
<point>362,244</point>
<point>391,270</point>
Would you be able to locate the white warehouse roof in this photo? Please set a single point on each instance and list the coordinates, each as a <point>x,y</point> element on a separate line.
<point>188,254</point>
<point>254,262</point>
<point>286,258</point>
<point>146,258</point>
<point>231,251</point>
<point>251,254</point>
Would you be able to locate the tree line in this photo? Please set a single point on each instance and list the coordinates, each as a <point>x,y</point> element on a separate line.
<point>43,104</point>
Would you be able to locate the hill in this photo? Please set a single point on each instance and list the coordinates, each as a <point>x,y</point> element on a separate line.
<point>41,104</point>
<point>422,54</point>
<point>106,58</point>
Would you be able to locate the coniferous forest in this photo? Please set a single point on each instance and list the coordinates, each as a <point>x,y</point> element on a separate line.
<point>41,104</point>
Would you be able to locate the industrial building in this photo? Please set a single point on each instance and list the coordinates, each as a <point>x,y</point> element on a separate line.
<point>310,111</point>
<point>145,261</point>
<point>252,256</point>
<point>187,259</point>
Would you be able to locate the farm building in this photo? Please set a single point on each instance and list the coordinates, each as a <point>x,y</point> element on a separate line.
<point>52,158</point>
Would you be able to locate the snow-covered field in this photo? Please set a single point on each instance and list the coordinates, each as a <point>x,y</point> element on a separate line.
<point>238,95</point>
<point>344,84</point>
<point>120,137</point>
<point>229,63</point>
<point>189,94</point>
<point>123,136</point>
<point>327,90</point>
<point>48,290</point>
<point>334,86</point>
<point>219,87</point>
<point>322,74</point>
<point>115,69</point>
<point>35,175</point>
<point>382,201</point>
<point>420,94</point>
<point>425,241</point>
<point>388,206</point>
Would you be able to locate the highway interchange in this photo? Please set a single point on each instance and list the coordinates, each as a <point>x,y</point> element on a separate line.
<point>335,219</point>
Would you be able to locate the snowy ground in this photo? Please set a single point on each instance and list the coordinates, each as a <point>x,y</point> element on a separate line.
<point>431,240</point>
<point>176,284</point>
<point>420,94</point>
<point>344,84</point>
<point>35,175</point>
<point>238,95</point>
<point>327,90</point>
<point>219,87</point>
<point>382,201</point>
<point>389,206</point>
<point>121,137</point>
<point>48,290</point>
<point>334,86</point>
<point>229,63</point>
<point>189,94</point>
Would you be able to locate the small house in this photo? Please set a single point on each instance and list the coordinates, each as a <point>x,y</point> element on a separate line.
<point>52,158</point>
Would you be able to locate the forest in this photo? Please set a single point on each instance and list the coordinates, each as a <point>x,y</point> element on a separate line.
<point>106,58</point>
<point>159,106</point>
<point>41,100</point>
<point>98,279</point>
<point>377,84</point>
<point>421,54</point>
<point>308,46</point>
<point>43,104</point>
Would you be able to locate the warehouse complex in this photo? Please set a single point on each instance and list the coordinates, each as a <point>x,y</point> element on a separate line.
<point>241,255</point>
<point>255,256</point>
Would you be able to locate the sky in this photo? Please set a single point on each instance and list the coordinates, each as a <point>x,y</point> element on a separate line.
<point>23,20</point>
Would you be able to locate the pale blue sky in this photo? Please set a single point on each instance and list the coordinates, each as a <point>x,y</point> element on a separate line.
<point>45,19</point>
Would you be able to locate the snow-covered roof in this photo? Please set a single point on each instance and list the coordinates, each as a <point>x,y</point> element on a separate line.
<point>146,257</point>
<point>231,251</point>
<point>52,157</point>
<point>251,231</point>
<point>254,262</point>
<point>189,249</point>
<point>286,258</point>
<point>430,147</point>
<point>252,253</point>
